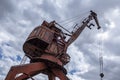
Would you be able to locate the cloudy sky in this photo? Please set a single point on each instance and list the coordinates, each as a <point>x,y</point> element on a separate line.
<point>19,17</point>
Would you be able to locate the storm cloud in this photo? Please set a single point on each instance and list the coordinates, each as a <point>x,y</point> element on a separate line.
<point>19,17</point>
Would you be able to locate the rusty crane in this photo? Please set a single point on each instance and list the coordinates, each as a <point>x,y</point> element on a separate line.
<point>46,48</point>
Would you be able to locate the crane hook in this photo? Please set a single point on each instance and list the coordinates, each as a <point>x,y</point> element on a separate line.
<point>101,75</point>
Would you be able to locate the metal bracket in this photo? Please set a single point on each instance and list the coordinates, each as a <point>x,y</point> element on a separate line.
<point>89,26</point>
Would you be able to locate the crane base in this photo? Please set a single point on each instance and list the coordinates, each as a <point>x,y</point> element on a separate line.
<point>26,71</point>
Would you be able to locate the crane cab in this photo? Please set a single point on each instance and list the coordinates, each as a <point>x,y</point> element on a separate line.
<point>45,39</point>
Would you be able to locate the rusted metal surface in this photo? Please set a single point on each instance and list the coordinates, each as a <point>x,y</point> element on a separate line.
<point>46,39</point>
<point>24,69</point>
<point>23,72</point>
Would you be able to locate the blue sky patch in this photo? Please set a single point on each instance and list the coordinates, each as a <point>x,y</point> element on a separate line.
<point>0,55</point>
<point>6,43</point>
<point>1,52</point>
<point>73,71</point>
<point>18,58</point>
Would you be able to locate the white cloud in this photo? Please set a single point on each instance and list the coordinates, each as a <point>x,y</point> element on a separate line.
<point>18,18</point>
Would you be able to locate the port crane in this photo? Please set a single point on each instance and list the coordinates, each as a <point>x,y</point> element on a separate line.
<point>46,47</point>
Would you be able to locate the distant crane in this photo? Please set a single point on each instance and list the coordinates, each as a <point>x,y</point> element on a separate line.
<point>46,48</point>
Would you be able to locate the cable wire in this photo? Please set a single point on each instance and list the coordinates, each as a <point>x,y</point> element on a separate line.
<point>101,54</point>
<point>72,18</point>
<point>73,21</point>
<point>23,60</point>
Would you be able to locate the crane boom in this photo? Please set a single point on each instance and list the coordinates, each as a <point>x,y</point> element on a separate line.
<point>75,34</point>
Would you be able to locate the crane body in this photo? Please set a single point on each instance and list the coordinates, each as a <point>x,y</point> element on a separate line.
<point>46,47</point>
